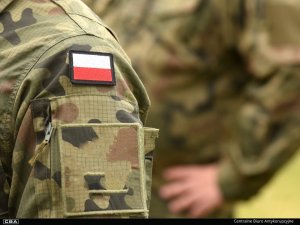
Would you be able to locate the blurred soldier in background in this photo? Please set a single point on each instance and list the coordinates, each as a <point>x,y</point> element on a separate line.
<point>224,81</point>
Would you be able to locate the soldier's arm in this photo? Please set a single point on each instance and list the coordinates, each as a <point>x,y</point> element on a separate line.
<point>78,141</point>
<point>267,125</point>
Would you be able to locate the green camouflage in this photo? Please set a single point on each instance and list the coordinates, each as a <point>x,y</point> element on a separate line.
<point>223,79</point>
<point>68,150</point>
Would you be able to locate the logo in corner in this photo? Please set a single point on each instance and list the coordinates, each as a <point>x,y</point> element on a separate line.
<point>10,221</point>
<point>91,68</point>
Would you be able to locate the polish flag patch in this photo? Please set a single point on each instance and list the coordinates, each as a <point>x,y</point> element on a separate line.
<point>91,68</point>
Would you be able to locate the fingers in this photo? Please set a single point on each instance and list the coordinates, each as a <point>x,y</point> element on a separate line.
<point>181,203</point>
<point>206,202</point>
<point>195,204</point>
<point>193,189</point>
<point>173,189</point>
<point>176,173</point>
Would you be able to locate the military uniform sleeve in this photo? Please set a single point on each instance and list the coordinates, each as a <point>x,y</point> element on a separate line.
<point>267,122</point>
<point>82,146</point>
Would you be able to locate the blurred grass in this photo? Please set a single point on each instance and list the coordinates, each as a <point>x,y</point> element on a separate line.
<point>279,199</point>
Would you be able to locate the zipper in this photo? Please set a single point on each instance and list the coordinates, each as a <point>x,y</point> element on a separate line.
<point>42,146</point>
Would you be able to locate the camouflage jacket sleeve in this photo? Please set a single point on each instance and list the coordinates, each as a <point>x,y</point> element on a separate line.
<point>267,121</point>
<point>76,149</point>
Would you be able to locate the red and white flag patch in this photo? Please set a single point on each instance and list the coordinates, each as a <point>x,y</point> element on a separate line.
<point>91,68</point>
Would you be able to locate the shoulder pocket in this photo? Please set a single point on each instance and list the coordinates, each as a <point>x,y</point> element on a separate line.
<point>102,169</point>
<point>91,169</point>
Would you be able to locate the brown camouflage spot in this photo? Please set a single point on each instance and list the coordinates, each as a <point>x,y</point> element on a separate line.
<point>121,87</point>
<point>26,133</point>
<point>124,86</point>
<point>125,147</point>
<point>6,87</point>
<point>67,112</point>
<point>103,89</point>
<point>56,11</point>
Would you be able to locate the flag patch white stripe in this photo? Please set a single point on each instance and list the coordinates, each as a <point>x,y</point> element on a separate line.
<point>91,61</point>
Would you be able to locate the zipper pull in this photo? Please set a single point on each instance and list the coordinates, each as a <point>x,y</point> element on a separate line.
<point>42,146</point>
<point>48,132</point>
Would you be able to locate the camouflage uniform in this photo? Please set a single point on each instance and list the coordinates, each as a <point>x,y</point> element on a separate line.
<point>68,150</point>
<point>223,79</point>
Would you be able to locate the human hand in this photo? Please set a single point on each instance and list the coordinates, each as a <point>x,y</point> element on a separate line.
<point>193,189</point>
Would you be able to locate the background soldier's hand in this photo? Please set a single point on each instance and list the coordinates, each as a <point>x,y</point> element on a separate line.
<point>192,189</point>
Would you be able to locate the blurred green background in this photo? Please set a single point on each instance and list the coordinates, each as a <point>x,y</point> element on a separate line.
<point>279,199</point>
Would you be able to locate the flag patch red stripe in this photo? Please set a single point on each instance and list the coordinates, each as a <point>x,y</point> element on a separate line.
<point>92,74</point>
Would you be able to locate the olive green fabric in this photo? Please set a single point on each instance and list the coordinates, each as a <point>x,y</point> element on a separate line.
<point>223,79</point>
<point>68,150</point>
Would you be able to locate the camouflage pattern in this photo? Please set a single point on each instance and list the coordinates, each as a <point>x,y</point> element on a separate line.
<point>68,150</point>
<point>223,79</point>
